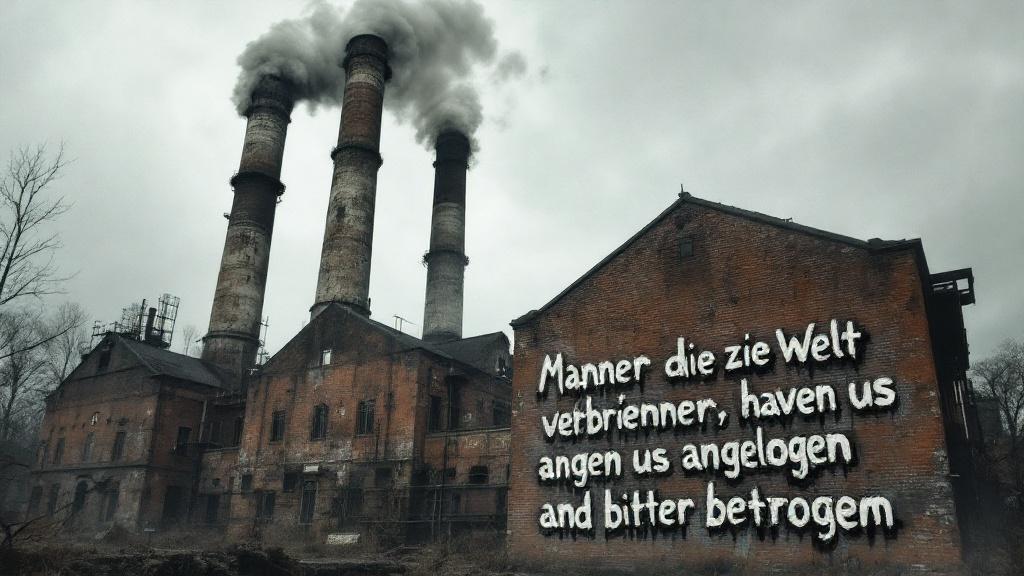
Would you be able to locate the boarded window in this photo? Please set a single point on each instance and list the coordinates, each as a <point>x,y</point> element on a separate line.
<point>277,426</point>
<point>308,504</point>
<point>686,247</point>
<point>87,447</point>
<point>478,475</point>
<point>435,418</point>
<point>318,427</point>
<point>364,422</point>
<point>118,451</point>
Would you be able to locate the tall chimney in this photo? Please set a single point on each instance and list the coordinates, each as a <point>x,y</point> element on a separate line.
<point>348,233</point>
<point>233,337</point>
<point>446,260</point>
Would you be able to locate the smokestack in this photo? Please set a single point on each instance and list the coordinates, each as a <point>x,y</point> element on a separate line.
<point>348,234</point>
<point>233,337</point>
<point>446,260</point>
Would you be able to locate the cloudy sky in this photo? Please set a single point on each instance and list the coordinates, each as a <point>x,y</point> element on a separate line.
<point>870,119</point>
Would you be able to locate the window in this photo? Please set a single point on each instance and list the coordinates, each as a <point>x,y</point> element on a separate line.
<point>685,247</point>
<point>277,426</point>
<point>81,491</point>
<point>501,414</point>
<point>58,453</point>
<point>291,480</point>
<point>44,455</point>
<point>181,445</point>
<point>51,503</point>
<point>236,437</point>
<point>478,475</point>
<point>87,447</point>
<point>246,482</point>
<point>436,415</point>
<point>213,432</point>
<point>308,502</point>
<point>104,361</point>
<point>118,451</point>
<point>212,508</point>
<point>382,478</point>
<point>33,501</point>
<point>325,357</point>
<point>318,427</point>
<point>109,508</point>
<point>265,506</point>
<point>364,423</point>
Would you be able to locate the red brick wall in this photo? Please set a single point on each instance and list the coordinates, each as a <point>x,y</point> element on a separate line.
<point>743,277</point>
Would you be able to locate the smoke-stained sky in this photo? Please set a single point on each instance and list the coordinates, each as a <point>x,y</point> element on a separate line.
<point>870,119</point>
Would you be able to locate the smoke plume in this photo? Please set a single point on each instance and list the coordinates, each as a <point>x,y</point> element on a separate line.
<point>436,47</point>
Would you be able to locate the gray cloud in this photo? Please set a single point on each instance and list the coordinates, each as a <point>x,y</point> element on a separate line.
<point>888,120</point>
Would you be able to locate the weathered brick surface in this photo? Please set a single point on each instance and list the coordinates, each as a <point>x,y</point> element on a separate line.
<point>368,363</point>
<point>744,276</point>
<point>123,397</point>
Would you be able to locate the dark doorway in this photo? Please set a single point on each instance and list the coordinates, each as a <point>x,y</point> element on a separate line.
<point>308,503</point>
<point>172,505</point>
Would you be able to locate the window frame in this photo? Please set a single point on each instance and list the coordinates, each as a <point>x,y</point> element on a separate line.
<point>319,422</point>
<point>366,417</point>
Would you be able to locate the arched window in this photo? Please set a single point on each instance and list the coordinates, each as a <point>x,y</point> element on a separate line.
<point>318,428</point>
<point>81,491</point>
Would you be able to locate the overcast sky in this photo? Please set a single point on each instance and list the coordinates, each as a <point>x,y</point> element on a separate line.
<point>870,119</point>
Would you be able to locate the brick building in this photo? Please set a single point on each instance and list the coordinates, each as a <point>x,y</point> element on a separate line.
<point>721,276</point>
<point>351,427</point>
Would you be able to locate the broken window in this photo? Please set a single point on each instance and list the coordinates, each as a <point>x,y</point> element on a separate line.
<point>318,427</point>
<point>277,426</point>
<point>104,360</point>
<point>118,451</point>
<point>364,423</point>
<point>325,357</point>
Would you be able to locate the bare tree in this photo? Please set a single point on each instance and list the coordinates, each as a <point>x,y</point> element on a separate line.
<point>21,375</point>
<point>64,352</point>
<point>26,260</point>
<point>1001,379</point>
<point>189,336</point>
<point>28,205</point>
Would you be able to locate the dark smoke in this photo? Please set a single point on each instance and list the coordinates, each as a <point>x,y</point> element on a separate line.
<point>436,47</point>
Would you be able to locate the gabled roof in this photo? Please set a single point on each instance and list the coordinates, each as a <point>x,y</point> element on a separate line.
<point>162,362</point>
<point>453,350</point>
<point>475,350</point>
<point>873,245</point>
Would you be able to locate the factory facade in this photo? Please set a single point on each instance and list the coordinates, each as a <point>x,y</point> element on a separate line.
<point>798,398</point>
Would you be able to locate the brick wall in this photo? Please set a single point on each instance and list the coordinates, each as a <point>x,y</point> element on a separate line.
<point>743,276</point>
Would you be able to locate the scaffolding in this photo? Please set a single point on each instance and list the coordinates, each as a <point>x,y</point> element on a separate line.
<point>152,325</point>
